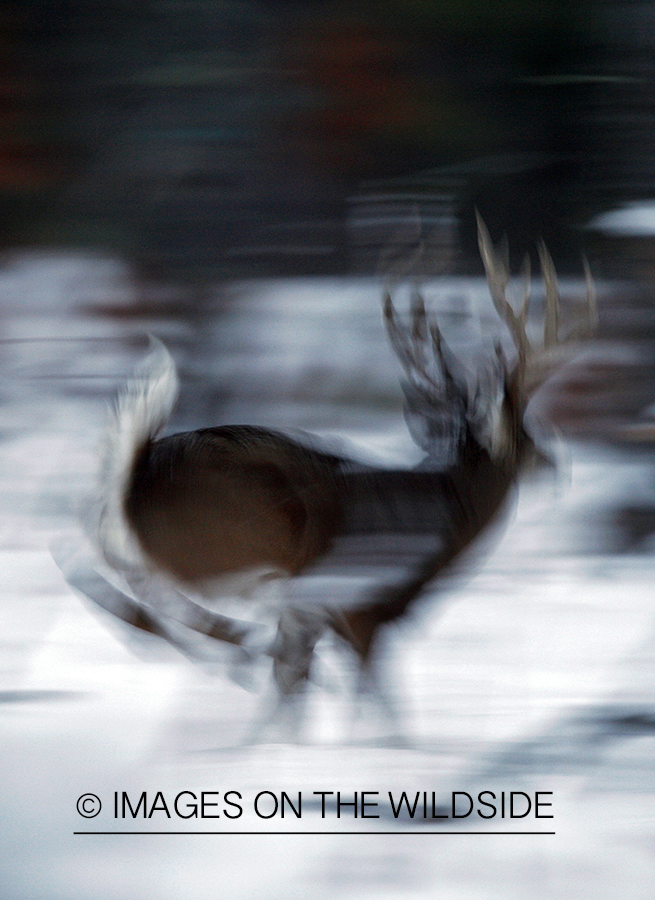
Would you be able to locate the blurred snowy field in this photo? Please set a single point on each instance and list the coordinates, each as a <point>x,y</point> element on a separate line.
<point>536,672</point>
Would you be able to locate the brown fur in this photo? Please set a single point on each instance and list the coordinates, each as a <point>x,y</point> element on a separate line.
<point>223,500</point>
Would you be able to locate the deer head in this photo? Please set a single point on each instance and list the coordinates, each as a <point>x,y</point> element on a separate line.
<point>444,400</point>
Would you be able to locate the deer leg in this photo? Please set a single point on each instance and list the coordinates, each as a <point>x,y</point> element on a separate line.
<point>293,648</point>
<point>292,652</point>
<point>375,702</point>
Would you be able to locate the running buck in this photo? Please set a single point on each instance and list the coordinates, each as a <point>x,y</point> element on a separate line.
<point>177,515</point>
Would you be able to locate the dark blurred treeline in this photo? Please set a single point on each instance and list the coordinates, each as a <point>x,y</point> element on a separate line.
<point>211,138</point>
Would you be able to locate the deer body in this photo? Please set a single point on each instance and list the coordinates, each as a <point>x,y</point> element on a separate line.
<point>228,500</point>
<point>224,501</point>
<point>219,501</point>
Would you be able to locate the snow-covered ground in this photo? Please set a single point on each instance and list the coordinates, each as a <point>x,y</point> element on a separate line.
<point>535,674</point>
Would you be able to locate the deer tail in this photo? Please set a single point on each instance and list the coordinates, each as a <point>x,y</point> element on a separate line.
<point>142,409</point>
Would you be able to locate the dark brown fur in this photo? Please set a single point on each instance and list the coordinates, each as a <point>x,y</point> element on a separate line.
<point>223,500</point>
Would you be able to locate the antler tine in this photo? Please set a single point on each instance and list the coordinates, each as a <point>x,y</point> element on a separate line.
<point>452,371</point>
<point>592,305</point>
<point>551,322</point>
<point>419,326</point>
<point>527,291</point>
<point>497,272</point>
<point>398,340</point>
<point>586,327</point>
<point>407,344</point>
<point>393,331</point>
<point>438,345</point>
<point>411,344</point>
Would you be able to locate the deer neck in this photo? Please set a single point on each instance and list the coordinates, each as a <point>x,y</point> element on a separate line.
<point>481,483</point>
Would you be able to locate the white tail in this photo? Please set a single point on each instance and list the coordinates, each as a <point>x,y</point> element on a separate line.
<point>141,410</point>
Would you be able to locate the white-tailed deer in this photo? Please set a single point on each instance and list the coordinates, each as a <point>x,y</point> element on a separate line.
<point>240,501</point>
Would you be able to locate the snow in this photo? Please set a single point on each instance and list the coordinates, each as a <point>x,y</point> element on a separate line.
<point>636,220</point>
<point>535,673</point>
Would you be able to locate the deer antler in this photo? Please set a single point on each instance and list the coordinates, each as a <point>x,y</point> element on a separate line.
<point>420,347</point>
<point>442,398</point>
<point>496,266</point>
<point>436,393</point>
<point>534,364</point>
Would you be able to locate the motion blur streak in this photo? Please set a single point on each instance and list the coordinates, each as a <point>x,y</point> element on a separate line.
<point>228,175</point>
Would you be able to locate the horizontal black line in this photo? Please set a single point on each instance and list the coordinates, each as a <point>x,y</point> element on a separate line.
<point>406,831</point>
<point>65,377</point>
<point>59,340</point>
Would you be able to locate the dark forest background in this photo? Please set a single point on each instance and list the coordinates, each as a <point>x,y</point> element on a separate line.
<point>213,139</point>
